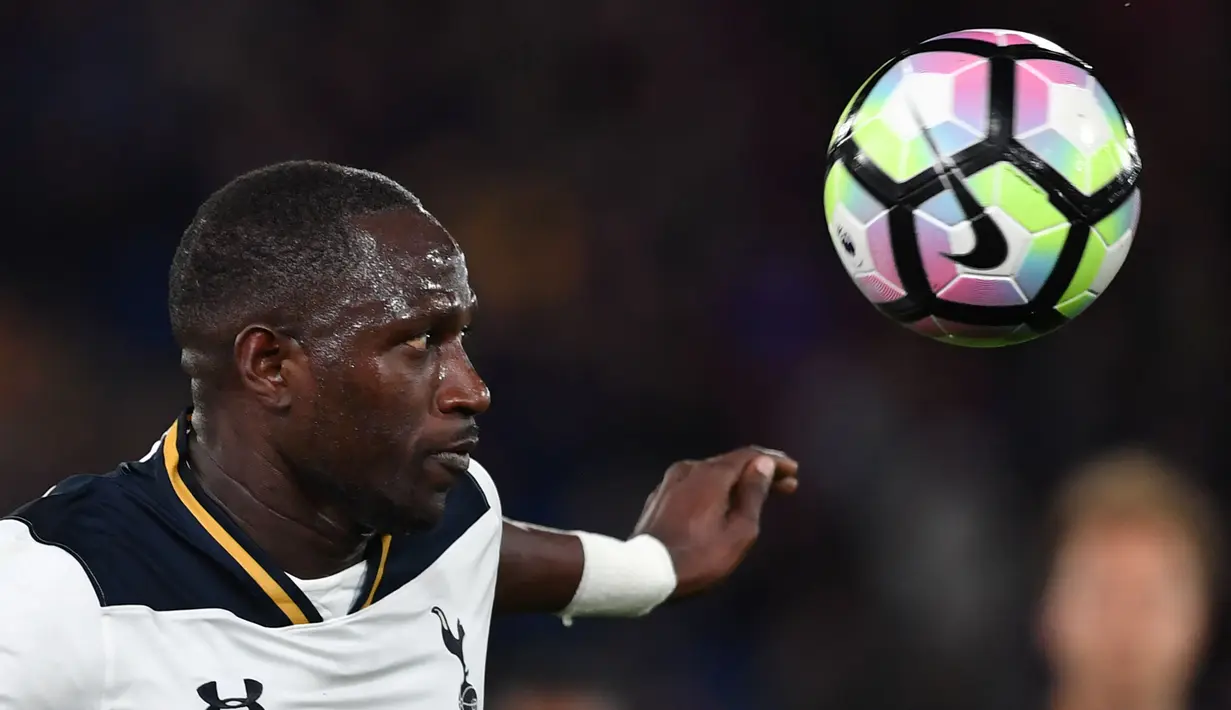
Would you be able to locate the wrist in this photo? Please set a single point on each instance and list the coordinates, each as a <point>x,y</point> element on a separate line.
<point>621,578</point>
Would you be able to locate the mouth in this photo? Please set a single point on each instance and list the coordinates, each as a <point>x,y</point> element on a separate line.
<point>455,463</point>
<point>456,456</point>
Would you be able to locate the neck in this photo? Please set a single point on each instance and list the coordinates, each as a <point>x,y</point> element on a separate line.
<point>246,477</point>
<point>1072,698</point>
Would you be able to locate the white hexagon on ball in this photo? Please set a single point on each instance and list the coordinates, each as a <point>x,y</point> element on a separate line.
<point>1075,114</point>
<point>932,96</point>
<point>1112,261</point>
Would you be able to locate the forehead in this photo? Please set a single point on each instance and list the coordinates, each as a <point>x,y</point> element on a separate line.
<point>407,265</point>
<point>1138,545</point>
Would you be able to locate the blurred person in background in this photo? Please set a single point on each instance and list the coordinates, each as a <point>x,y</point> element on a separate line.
<point>557,697</point>
<point>1127,608</point>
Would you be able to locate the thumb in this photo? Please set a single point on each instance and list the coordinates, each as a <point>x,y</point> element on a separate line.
<point>752,488</point>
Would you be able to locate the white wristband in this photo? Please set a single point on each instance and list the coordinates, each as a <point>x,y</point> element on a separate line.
<point>621,577</point>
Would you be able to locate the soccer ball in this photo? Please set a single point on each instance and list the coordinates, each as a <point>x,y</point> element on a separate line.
<point>981,188</point>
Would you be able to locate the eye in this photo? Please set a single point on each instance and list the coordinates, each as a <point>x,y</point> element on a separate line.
<point>426,341</point>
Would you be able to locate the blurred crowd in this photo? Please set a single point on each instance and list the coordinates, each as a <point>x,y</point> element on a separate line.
<point>637,186</point>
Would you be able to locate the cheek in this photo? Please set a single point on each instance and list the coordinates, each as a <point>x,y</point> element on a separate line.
<point>1085,618</point>
<point>1178,626</point>
<point>1078,625</point>
<point>1159,625</point>
<point>348,406</point>
<point>396,396</point>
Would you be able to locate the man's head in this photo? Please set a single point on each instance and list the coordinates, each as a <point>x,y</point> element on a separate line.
<point>327,308</point>
<point>1132,582</point>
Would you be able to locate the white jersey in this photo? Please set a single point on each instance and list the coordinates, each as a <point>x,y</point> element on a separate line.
<point>132,591</point>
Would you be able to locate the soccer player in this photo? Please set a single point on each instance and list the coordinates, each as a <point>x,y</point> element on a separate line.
<point>1127,607</point>
<point>313,533</point>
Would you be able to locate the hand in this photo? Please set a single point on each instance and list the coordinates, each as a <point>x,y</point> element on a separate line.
<point>708,513</point>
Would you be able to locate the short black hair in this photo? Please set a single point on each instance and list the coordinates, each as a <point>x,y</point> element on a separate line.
<point>269,246</point>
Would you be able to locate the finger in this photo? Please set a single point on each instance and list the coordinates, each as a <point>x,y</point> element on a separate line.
<point>768,451</point>
<point>750,491</point>
<point>651,499</point>
<point>652,502</point>
<point>786,486</point>
<point>785,466</point>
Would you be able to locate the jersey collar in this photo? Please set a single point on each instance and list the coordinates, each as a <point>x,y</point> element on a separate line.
<point>249,560</point>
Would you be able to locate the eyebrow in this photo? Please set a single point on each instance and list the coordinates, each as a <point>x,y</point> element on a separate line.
<point>432,312</point>
<point>434,307</point>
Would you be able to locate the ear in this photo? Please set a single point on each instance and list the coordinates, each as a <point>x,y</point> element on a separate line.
<point>266,362</point>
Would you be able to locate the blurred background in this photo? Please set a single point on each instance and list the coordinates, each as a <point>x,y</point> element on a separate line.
<point>638,186</point>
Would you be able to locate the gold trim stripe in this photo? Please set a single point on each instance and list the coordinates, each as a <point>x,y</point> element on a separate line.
<point>171,457</point>
<point>385,540</point>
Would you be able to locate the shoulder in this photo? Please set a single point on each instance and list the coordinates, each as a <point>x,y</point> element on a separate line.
<point>117,528</point>
<point>76,519</point>
<point>35,571</point>
<point>51,649</point>
<point>79,507</point>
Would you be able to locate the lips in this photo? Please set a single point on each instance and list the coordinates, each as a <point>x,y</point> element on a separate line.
<point>456,456</point>
<point>455,462</point>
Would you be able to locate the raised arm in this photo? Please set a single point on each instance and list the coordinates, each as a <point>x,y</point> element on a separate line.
<point>695,529</point>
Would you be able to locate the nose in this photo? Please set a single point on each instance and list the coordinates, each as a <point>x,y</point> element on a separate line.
<point>462,391</point>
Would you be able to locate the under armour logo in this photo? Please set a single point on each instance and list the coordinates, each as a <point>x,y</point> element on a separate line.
<point>467,696</point>
<point>252,688</point>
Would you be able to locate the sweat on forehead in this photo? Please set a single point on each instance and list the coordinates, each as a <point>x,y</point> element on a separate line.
<point>277,244</point>
<point>403,233</point>
<point>407,251</point>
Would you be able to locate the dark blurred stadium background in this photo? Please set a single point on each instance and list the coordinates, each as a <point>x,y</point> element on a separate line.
<point>637,183</point>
